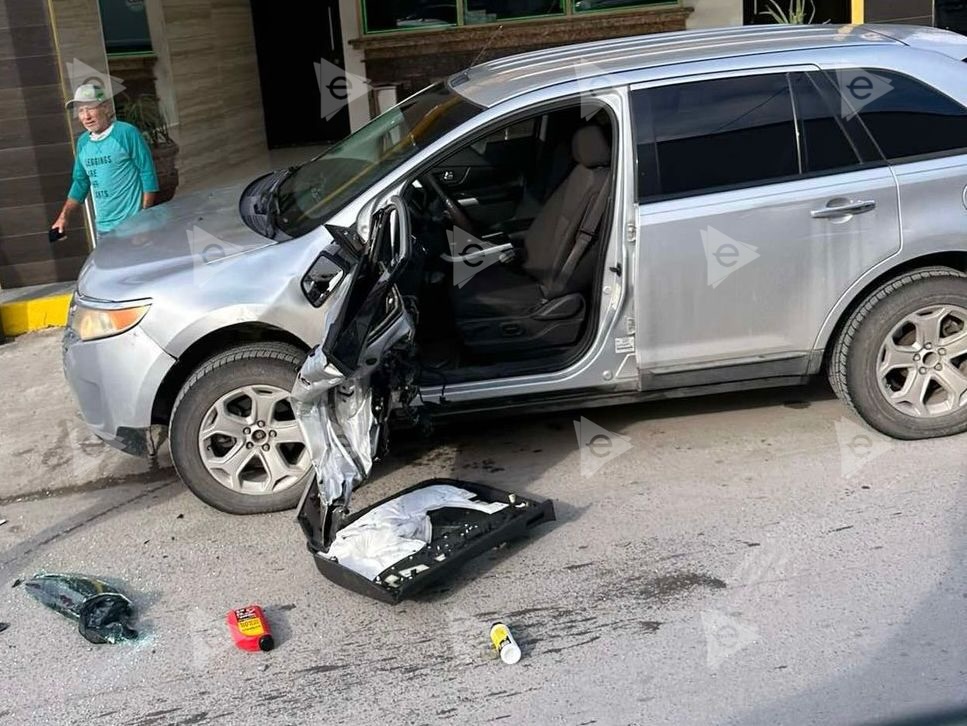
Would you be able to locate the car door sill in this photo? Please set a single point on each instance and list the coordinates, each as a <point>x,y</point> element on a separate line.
<point>552,403</point>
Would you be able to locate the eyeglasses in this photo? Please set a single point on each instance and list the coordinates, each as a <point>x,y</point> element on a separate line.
<point>87,107</point>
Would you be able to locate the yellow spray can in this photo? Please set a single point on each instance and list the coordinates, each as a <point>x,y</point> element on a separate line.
<point>504,643</point>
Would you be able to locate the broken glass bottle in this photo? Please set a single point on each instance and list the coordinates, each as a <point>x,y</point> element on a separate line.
<point>103,613</point>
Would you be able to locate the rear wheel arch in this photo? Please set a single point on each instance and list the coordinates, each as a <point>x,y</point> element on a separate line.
<point>207,347</point>
<point>953,260</point>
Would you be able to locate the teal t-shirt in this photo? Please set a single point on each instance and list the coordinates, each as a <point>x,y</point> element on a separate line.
<point>116,169</point>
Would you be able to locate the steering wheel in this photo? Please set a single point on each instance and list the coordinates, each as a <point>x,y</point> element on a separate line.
<point>457,213</point>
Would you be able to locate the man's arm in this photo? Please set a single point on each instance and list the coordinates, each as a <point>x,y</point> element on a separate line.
<point>60,224</point>
<point>80,186</point>
<point>145,164</point>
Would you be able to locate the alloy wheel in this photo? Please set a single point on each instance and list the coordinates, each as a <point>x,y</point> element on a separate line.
<point>922,363</point>
<point>250,442</point>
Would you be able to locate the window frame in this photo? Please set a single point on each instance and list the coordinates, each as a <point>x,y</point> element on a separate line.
<point>568,11</point>
<point>858,135</point>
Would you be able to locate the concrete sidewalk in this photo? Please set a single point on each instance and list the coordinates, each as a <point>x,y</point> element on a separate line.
<point>44,446</point>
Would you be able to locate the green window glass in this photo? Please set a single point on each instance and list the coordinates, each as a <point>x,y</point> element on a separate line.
<point>382,15</point>
<point>491,11</point>
<point>586,5</point>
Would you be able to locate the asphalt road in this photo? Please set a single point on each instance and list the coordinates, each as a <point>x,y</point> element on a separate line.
<point>747,559</point>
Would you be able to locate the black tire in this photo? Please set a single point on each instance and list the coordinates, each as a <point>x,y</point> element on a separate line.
<point>854,356</point>
<point>274,364</point>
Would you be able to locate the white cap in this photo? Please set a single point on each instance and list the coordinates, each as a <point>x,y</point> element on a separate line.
<point>510,653</point>
<point>87,93</point>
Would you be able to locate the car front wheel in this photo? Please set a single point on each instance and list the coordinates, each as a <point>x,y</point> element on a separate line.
<point>901,359</point>
<point>235,441</point>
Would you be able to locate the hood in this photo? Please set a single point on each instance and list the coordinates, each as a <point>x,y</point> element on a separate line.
<point>194,229</point>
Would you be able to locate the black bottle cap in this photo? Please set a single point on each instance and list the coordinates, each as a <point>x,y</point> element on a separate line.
<point>266,642</point>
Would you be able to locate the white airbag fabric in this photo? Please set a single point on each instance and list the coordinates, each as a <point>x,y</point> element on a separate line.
<point>398,528</point>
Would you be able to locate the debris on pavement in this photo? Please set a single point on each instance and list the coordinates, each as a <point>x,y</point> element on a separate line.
<point>504,643</point>
<point>4,626</point>
<point>398,528</point>
<point>2,522</point>
<point>416,538</point>
<point>102,612</point>
<point>250,629</point>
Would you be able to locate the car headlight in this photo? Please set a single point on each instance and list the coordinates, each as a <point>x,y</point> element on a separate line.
<point>91,321</point>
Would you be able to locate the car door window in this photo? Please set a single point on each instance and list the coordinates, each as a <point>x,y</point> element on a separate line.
<point>712,135</point>
<point>907,118</point>
<point>826,146</point>
<point>519,131</point>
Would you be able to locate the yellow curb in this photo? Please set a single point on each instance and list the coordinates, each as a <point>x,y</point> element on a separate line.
<point>27,315</point>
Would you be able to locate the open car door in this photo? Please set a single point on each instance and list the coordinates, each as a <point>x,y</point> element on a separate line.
<point>342,400</point>
<point>341,395</point>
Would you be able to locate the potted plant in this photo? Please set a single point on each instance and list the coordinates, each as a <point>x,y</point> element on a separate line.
<point>146,115</point>
<point>799,12</point>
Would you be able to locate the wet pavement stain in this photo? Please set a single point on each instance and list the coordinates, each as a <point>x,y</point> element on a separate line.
<point>487,465</point>
<point>666,587</point>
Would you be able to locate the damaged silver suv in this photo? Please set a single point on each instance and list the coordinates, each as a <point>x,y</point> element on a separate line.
<point>616,221</point>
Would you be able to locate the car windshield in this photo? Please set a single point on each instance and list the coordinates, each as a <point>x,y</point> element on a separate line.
<point>319,188</point>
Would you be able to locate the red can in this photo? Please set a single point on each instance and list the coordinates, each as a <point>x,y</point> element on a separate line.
<point>250,629</point>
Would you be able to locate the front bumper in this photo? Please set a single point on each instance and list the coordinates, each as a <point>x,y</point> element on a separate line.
<point>115,381</point>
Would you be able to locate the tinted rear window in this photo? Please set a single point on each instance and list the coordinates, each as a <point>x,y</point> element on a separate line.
<point>907,118</point>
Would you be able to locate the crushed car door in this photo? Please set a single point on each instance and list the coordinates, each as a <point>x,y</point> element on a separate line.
<point>341,395</point>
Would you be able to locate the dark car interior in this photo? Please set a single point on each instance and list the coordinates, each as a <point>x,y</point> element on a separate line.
<point>509,232</point>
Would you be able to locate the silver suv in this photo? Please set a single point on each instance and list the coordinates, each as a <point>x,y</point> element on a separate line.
<point>616,221</point>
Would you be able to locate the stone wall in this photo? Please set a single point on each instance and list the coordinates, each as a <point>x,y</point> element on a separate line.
<point>209,80</point>
<point>37,134</point>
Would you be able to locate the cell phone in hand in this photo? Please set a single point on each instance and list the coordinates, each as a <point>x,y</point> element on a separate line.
<point>54,235</point>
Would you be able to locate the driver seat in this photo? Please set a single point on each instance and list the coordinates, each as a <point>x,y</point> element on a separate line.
<point>542,303</point>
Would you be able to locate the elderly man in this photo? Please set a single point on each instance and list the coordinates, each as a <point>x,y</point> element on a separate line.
<point>112,162</point>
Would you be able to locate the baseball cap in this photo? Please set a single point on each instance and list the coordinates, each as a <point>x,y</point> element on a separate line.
<point>87,93</point>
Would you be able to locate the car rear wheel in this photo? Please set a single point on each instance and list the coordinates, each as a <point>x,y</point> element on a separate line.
<point>235,441</point>
<point>901,359</point>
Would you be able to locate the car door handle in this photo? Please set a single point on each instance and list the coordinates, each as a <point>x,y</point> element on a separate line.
<point>843,210</point>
